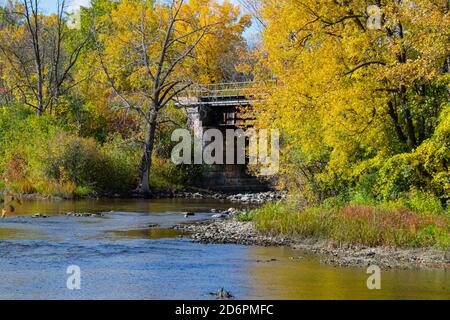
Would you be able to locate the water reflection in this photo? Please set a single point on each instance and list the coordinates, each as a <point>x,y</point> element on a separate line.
<point>307,278</point>
<point>20,234</point>
<point>151,233</point>
<point>119,205</point>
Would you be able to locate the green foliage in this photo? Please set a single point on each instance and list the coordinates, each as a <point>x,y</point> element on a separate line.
<point>107,168</point>
<point>41,155</point>
<point>423,203</point>
<point>165,174</point>
<point>245,216</point>
<point>425,168</point>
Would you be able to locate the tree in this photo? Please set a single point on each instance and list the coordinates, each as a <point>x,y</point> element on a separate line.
<point>38,53</point>
<point>220,51</point>
<point>355,93</point>
<point>254,7</point>
<point>144,48</point>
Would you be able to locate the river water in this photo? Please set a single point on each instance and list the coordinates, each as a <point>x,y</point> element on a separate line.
<point>122,257</point>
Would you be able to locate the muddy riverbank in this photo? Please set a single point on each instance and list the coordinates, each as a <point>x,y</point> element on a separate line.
<point>230,231</point>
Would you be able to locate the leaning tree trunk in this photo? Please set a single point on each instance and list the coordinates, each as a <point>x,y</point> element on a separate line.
<point>146,161</point>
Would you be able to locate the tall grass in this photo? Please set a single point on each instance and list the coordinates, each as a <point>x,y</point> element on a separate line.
<point>391,224</point>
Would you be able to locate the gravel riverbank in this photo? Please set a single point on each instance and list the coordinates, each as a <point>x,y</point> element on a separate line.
<point>236,232</point>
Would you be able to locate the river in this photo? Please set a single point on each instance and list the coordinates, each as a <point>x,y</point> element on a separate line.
<point>122,255</point>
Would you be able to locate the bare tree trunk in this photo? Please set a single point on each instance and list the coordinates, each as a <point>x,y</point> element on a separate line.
<point>146,161</point>
<point>32,22</point>
<point>40,57</point>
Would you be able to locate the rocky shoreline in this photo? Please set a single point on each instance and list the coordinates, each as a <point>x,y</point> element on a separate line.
<point>231,231</point>
<point>245,198</point>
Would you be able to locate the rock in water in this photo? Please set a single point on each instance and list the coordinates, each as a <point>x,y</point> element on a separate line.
<point>38,215</point>
<point>222,294</point>
<point>189,214</point>
<point>84,215</point>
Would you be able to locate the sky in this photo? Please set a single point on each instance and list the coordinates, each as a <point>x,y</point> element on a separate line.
<point>50,5</point>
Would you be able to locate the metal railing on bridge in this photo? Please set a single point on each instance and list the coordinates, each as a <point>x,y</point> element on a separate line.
<point>239,93</point>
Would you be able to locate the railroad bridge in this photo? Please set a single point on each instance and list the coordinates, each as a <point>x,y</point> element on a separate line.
<point>220,106</point>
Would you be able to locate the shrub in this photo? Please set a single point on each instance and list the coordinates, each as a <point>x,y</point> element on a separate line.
<point>165,174</point>
<point>42,155</point>
<point>424,203</point>
<point>107,168</point>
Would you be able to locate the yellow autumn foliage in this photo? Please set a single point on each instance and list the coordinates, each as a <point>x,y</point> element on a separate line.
<point>352,98</point>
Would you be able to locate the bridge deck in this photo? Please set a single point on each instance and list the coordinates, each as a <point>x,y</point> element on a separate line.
<point>222,94</point>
